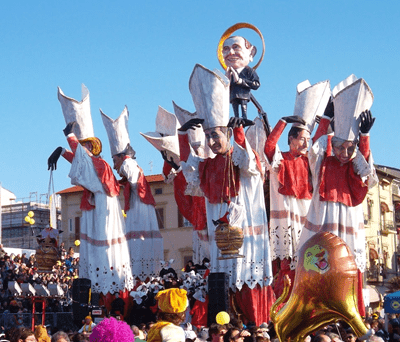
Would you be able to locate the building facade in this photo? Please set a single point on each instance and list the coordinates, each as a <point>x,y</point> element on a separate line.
<point>175,230</point>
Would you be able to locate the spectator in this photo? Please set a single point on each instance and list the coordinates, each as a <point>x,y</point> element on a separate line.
<point>60,336</point>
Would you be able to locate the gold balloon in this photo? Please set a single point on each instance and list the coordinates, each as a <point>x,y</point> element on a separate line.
<point>77,243</point>
<point>324,290</point>
<point>27,219</point>
<point>31,214</point>
<point>31,221</point>
<point>222,318</point>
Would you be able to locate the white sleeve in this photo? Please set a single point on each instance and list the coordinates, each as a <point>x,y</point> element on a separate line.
<point>190,170</point>
<point>130,169</point>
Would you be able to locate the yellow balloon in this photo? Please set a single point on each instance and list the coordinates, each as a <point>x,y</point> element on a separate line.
<point>31,214</point>
<point>27,219</point>
<point>77,243</point>
<point>31,221</point>
<point>222,318</point>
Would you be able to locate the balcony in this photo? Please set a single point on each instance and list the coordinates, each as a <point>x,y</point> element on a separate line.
<point>388,228</point>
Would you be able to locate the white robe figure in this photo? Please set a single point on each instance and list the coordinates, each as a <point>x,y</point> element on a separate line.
<point>104,255</point>
<point>255,267</point>
<point>347,222</point>
<point>288,214</point>
<point>144,238</point>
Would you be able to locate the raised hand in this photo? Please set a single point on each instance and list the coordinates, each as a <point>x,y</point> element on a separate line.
<point>69,128</point>
<point>329,109</point>
<point>169,161</point>
<point>236,122</point>
<point>367,121</point>
<point>52,161</point>
<point>294,119</point>
<point>191,124</point>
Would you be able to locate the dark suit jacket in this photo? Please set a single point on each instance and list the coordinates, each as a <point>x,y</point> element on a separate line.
<point>250,81</point>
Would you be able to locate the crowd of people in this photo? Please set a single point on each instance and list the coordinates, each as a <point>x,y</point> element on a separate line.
<point>235,330</point>
<point>24,269</point>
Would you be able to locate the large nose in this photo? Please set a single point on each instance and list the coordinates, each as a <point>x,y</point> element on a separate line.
<point>229,51</point>
<point>345,153</point>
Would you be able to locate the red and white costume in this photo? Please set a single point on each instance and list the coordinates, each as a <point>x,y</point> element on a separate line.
<point>145,242</point>
<point>104,249</point>
<point>209,177</point>
<point>193,209</point>
<point>291,192</point>
<point>336,205</point>
<point>142,233</point>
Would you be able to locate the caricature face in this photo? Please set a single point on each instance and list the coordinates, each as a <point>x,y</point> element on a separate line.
<point>118,160</point>
<point>344,152</point>
<point>299,145</point>
<point>217,139</point>
<point>316,259</point>
<point>235,53</point>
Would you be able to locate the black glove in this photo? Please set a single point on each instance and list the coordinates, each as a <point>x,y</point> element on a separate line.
<point>169,161</point>
<point>69,128</point>
<point>52,161</point>
<point>329,110</point>
<point>236,122</point>
<point>191,124</point>
<point>294,119</point>
<point>367,121</point>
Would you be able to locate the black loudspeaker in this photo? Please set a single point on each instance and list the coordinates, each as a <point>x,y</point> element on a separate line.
<point>218,295</point>
<point>80,298</point>
<point>95,298</point>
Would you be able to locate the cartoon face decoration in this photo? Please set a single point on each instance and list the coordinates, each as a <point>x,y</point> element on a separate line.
<point>316,259</point>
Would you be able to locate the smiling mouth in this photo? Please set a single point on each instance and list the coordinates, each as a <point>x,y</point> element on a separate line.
<point>322,264</point>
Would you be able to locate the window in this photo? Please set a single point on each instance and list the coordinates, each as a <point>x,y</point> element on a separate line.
<point>182,221</point>
<point>70,225</point>
<point>158,191</point>
<point>77,228</point>
<point>160,217</point>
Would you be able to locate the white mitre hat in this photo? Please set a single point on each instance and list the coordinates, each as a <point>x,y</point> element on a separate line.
<point>79,112</point>
<point>197,138</point>
<point>351,97</point>
<point>165,138</point>
<point>257,138</point>
<point>311,101</point>
<point>118,133</point>
<point>210,93</point>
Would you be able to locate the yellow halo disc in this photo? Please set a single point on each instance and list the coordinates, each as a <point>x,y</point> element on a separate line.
<point>229,32</point>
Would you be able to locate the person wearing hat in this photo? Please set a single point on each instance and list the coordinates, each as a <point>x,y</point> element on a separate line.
<point>290,177</point>
<point>172,304</point>
<point>142,232</point>
<point>104,254</point>
<point>88,326</point>
<point>343,171</point>
<point>229,181</point>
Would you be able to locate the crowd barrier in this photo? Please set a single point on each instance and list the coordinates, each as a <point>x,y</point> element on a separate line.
<point>60,320</point>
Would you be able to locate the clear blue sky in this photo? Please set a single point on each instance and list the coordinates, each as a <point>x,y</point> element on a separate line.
<point>141,54</point>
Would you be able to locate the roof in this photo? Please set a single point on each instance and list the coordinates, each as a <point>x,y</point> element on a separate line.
<point>72,189</point>
<point>390,171</point>
<point>77,188</point>
<point>155,178</point>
